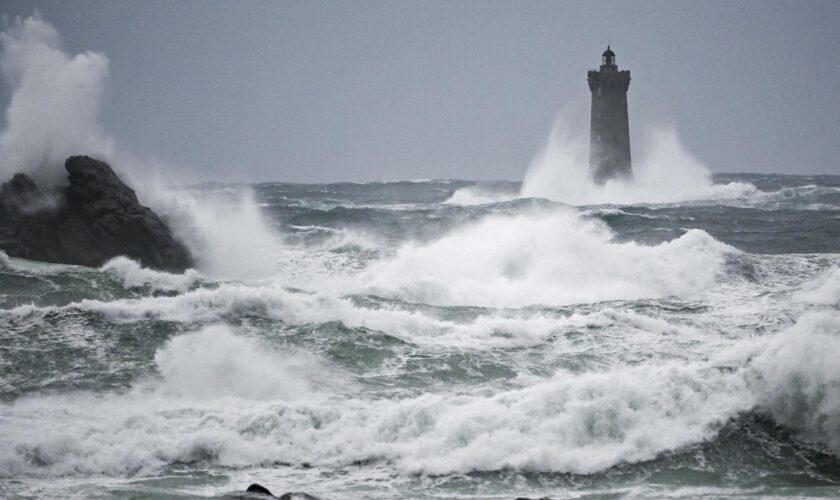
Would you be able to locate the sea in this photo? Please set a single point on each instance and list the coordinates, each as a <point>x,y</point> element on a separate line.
<point>439,339</point>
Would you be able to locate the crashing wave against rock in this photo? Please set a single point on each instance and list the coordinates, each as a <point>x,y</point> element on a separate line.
<point>94,219</point>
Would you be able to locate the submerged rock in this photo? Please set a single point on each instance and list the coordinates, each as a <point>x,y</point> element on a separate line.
<point>258,489</point>
<point>94,219</point>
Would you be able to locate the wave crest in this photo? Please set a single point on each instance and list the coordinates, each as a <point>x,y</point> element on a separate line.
<point>551,257</point>
<point>133,275</point>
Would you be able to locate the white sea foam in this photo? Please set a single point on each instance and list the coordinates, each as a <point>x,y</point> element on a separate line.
<point>800,197</point>
<point>210,305</point>
<point>474,195</point>
<point>32,267</point>
<point>226,232</point>
<point>549,256</point>
<point>569,422</point>
<point>137,431</point>
<point>133,275</point>
<point>226,400</point>
<point>825,289</point>
<point>488,330</point>
<point>668,173</point>
<point>336,255</point>
<point>215,363</point>
<point>545,257</point>
<point>553,257</point>
<point>799,381</point>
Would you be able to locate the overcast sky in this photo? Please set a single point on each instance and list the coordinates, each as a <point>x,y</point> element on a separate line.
<point>345,90</point>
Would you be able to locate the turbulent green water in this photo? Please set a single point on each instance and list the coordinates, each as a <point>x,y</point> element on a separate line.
<point>440,339</point>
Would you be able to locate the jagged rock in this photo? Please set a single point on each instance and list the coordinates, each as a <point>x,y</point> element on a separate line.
<point>94,219</point>
<point>18,192</point>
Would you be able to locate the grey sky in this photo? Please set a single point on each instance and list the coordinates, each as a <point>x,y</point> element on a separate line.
<point>330,91</point>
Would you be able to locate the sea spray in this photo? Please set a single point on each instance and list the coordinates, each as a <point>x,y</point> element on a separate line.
<point>488,329</point>
<point>214,362</point>
<point>690,380</point>
<point>798,379</point>
<point>54,112</point>
<point>825,289</point>
<point>380,353</point>
<point>225,230</point>
<point>133,275</point>
<point>580,423</point>
<point>54,108</point>
<point>666,172</point>
<point>552,256</point>
<point>474,195</point>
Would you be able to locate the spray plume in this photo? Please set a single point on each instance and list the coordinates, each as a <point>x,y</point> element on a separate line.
<point>54,107</point>
<point>668,173</point>
<point>54,112</point>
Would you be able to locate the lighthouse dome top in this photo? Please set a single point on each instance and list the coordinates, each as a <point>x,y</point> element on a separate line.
<point>608,58</point>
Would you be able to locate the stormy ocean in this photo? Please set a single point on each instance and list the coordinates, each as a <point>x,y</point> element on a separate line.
<point>441,339</point>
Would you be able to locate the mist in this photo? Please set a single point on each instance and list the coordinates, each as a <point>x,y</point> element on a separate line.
<point>664,172</point>
<point>54,110</point>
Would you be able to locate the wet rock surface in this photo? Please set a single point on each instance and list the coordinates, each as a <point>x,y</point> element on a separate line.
<point>94,219</point>
<point>260,490</point>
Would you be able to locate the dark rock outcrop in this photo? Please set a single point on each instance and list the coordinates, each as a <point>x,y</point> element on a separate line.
<point>258,489</point>
<point>95,218</point>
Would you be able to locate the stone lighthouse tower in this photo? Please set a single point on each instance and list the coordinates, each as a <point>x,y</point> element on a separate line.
<point>609,132</point>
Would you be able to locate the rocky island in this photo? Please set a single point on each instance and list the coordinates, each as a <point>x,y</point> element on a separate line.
<point>93,219</point>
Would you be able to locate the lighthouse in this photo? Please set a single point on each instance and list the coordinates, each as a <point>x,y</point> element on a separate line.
<point>609,131</point>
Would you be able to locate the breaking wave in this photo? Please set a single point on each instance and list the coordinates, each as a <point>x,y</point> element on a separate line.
<point>825,289</point>
<point>382,329</point>
<point>133,275</point>
<point>797,379</point>
<point>553,257</point>
<point>569,422</point>
<point>667,174</point>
